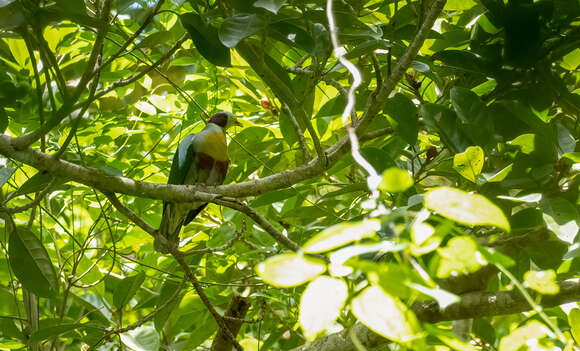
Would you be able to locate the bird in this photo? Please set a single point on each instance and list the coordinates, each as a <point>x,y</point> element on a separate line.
<point>200,158</point>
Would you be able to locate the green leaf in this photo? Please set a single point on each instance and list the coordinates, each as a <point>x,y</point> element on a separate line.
<point>403,117</point>
<point>460,256</point>
<point>571,60</point>
<point>494,257</point>
<point>143,338</point>
<point>341,234</point>
<point>127,289</point>
<point>271,5</point>
<point>396,180</point>
<point>31,263</point>
<point>339,257</point>
<point>566,141</point>
<point>168,289</point>
<point>238,27</point>
<point>387,316</point>
<point>393,278</point>
<point>146,108</point>
<point>289,269</point>
<point>449,339</point>
<point>573,156</point>
<point>465,208</point>
<point>19,51</point>
<point>519,338</point>
<point>455,5</point>
<point>543,282</point>
<point>574,321</point>
<point>321,304</point>
<point>561,217</point>
<point>526,143</point>
<point>37,182</point>
<point>445,121</point>
<point>206,40</point>
<point>5,174</point>
<point>60,329</point>
<point>469,163</point>
<point>499,176</point>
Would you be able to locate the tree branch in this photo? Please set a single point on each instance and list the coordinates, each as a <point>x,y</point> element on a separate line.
<point>197,286</point>
<point>130,214</point>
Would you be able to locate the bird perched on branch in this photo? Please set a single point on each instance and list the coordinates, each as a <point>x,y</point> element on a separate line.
<point>200,158</point>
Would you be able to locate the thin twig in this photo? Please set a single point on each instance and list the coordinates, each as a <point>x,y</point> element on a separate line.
<point>300,133</point>
<point>140,222</point>
<point>133,36</point>
<point>198,288</point>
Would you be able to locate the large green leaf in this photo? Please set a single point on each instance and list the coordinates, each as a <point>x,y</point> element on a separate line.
<point>5,174</point>
<point>321,304</point>
<point>289,269</point>
<point>126,289</point>
<point>387,316</point>
<point>341,234</point>
<point>238,27</point>
<point>31,263</point>
<point>143,338</point>
<point>469,163</point>
<point>465,208</point>
<point>206,40</point>
<point>561,217</point>
<point>403,117</point>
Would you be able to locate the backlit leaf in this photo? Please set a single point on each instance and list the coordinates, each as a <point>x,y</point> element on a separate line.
<point>321,304</point>
<point>341,234</point>
<point>289,269</point>
<point>465,208</point>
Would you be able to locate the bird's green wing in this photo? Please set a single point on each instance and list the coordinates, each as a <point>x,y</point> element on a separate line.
<point>183,159</point>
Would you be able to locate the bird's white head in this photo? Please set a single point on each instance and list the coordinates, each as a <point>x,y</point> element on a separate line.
<point>224,120</point>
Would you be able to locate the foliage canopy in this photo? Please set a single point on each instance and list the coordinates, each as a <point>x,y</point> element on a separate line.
<point>459,199</point>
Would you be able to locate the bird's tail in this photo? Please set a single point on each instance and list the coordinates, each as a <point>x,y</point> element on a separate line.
<point>171,223</point>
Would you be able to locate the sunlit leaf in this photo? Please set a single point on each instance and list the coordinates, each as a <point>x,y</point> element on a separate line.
<point>339,257</point>
<point>395,180</point>
<point>460,256</point>
<point>469,163</point>
<point>543,282</point>
<point>341,234</point>
<point>289,269</point>
<point>532,332</point>
<point>386,315</point>
<point>465,208</point>
<point>561,217</point>
<point>239,26</point>
<point>574,321</point>
<point>143,338</point>
<point>321,304</point>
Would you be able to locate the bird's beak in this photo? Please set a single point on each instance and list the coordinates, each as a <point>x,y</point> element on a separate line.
<point>237,123</point>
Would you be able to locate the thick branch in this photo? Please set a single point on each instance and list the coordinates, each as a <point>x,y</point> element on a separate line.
<point>472,305</point>
<point>237,309</point>
<point>178,193</point>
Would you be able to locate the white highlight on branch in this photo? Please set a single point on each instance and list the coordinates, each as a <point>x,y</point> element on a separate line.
<point>374,178</point>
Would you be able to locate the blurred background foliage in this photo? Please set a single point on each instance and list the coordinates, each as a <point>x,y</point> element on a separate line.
<point>495,82</point>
